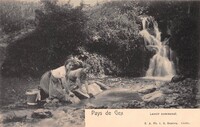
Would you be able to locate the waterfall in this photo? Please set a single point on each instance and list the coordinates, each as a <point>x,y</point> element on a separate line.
<point>160,65</point>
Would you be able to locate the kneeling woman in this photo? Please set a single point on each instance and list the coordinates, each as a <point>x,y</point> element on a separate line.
<point>77,79</point>
<point>53,83</point>
<point>78,83</point>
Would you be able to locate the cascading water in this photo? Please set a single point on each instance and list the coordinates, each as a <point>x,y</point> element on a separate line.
<point>160,65</point>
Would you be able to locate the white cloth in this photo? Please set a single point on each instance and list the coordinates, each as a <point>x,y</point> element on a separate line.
<point>59,72</point>
<point>93,89</point>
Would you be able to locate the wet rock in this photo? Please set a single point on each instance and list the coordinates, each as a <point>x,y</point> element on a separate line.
<point>128,104</point>
<point>177,78</point>
<point>41,114</point>
<point>171,100</point>
<point>97,107</point>
<point>102,86</point>
<point>156,97</point>
<point>173,105</point>
<point>52,103</point>
<point>55,101</point>
<point>14,116</point>
<point>81,95</point>
<point>89,106</point>
<point>94,89</point>
<point>189,80</point>
<point>166,90</point>
<point>74,99</point>
<point>147,89</point>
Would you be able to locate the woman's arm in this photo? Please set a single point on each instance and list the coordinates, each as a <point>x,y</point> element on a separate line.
<point>86,86</point>
<point>65,84</point>
<point>78,82</point>
<point>66,87</point>
<point>81,79</point>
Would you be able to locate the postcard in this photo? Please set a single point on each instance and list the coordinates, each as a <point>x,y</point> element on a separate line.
<point>86,63</point>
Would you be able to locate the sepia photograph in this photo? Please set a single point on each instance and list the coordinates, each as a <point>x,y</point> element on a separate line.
<point>59,58</point>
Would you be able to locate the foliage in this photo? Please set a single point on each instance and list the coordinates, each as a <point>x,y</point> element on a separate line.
<point>113,28</point>
<point>100,65</point>
<point>15,15</point>
<point>61,29</point>
<point>109,34</point>
<point>63,26</point>
<point>58,33</point>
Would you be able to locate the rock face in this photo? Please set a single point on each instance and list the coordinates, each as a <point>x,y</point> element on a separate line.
<point>182,93</point>
<point>156,97</point>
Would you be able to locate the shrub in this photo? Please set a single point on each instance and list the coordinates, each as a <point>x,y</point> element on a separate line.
<point>100,65</point>
<point>58,33</point>
<point>113,28</point>
<point>16,15</point>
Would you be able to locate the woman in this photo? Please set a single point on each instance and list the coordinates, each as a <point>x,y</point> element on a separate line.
<point>77,79</point>
<point>78,83</point>
<point>53,83</point>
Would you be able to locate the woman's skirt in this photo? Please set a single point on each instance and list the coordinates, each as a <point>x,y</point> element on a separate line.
<point>52,86</point>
